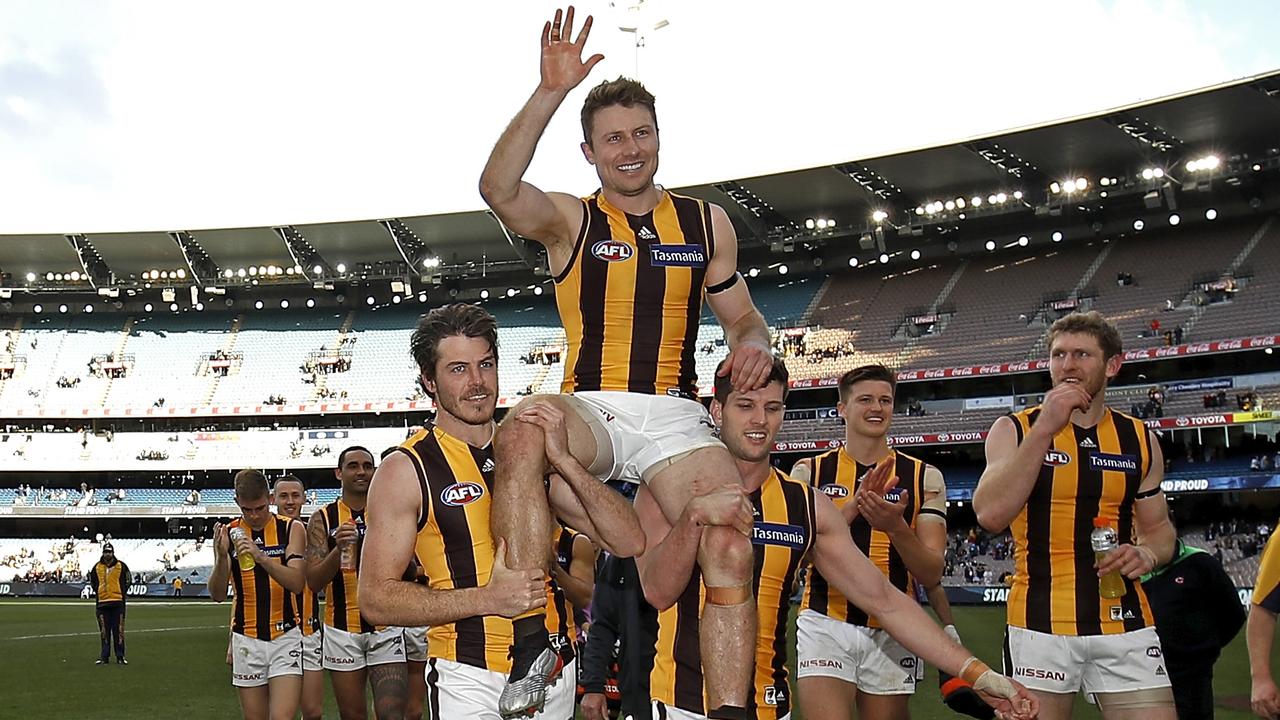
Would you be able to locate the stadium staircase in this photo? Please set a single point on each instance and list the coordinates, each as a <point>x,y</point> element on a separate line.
<point>227,347</point>
<point>1041,346</point>
<point>10,349</point>
<point>1236,264</point>
<point>322,379</point>
<point>815,302</point>
<point>905,352</point>
<point>119,354</point>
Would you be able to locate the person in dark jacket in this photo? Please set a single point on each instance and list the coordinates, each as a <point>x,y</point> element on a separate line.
<point>1197,611</point>
<point>110,579</point>
<point>620,644</point>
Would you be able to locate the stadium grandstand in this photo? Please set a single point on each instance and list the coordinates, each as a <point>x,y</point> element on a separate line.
<point>137,369</point>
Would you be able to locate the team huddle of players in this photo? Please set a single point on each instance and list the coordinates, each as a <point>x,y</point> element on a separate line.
<point>453,542</point>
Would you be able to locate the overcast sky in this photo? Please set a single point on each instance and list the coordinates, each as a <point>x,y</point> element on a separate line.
<point>120,115</point>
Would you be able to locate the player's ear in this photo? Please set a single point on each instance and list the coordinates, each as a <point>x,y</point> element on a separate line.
<point>588,154</point>
<point>717,412</point>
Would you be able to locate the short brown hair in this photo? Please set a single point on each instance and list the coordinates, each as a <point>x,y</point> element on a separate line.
<point>623,91</point>
<point>778,373</point>
<point>465,319</point>
<point>251,485</point>
<point>867,372</point>
<point>288,478</point>
<point>1089,323</point>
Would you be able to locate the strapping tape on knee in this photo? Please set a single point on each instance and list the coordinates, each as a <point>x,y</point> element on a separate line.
<point>728,594</point>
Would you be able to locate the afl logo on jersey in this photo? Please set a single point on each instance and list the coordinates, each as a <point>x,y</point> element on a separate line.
<point>1054,458</point>
<point>612,251</point>
<point>835,491</point>
<point>459,494</point>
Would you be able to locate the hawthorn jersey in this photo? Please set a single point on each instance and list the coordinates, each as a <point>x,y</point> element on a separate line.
<point>263,608</point>
<point>342,603</point>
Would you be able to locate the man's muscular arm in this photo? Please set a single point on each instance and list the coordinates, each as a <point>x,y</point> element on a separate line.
<point>550,219</point>
<point>322,563</point>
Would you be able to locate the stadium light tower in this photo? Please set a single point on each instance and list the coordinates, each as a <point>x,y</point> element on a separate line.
<point>640,20</point>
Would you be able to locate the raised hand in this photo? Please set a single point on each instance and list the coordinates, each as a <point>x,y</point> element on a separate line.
<point>562,65</point>
<point>726,506</point>
<point>883,515</point>
<point>221,541</point>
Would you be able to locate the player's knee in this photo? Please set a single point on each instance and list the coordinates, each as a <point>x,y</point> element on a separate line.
<point>728,551</point>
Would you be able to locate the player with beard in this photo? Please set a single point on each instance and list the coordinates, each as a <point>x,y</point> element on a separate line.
<point>356,651</point>
<point>289,495</point>
<point>788,521</point>
<point>844,657</point>
<point>632,264</point>
<point>429,502</point>
<point>1055,472</point>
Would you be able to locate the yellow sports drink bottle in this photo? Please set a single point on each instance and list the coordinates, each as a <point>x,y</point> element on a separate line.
<point>247,562</point>
<point>1105,539</point>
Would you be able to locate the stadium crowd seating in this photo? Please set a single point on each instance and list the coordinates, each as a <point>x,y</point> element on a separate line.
<point>850,318</point>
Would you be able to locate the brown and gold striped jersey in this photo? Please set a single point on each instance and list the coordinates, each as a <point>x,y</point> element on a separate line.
<point>263,609</point>
<point>454,547</point>
<point>837,475</point>
<point>341,601</point>
<point>1087,473</point>
<point>631,296</point>
<point>781,537</point>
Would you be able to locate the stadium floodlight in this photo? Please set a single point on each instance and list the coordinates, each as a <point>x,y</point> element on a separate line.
<point>1104,181</point>
<point>884,258</point>
<point>975,201</point>
<point>173,307</point>
<point>1157,172</point>
<point>919,210</point>
<point>31,277</point>
<point>537,290</point>
<point>1138,224</point>
<point>241,273</point>
<point>341,268</point>
<point>1001,197</point>
<point>783,269</point>
<point>147,307</point>
<point>75,276</point>
<point>1081,184</point>
<point>164,275</point>
<point>1023,241</point>
<point>311,302</point>
<point>1017,194</point>
<point>484,294</point>
<point>369,300</point>
<point>422,297</point>
<point>253,271</point>
<point>62,309</point>
<point>1174,219</point>
<point>810,223</point>
<point>58,277</point>
<point>284,304</point>
<point>853,262</point>
<point>88,308</point>
<point>511,292</point>
<point>199,307</point>
<point>991,245</point>
<point>37,308</point>
<point>951,205</point>
<point>1210,214</point>
<point>821,223</point>
<point>182,274</point>
<point>1057,236</point>
<point>915,254</point>
<point>48,276</point>
<point>395,299</point>
<point>1257,167</point>
<point>1055,188</point>
<point>1148,174</point>
<point>228,273</point>
<point>317,270</point>
<point>257,305</point>
<point>753,272</point>
<point>289,270</point>
<point>879,216</point>
<point>960,203</point>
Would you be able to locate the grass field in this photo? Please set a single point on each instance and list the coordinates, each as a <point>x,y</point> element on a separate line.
<point>176,670</point>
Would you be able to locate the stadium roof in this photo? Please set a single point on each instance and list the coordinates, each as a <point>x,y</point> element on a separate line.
<point>1237,121</point>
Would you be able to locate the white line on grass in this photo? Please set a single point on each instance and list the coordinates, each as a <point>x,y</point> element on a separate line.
<point>130,632</point>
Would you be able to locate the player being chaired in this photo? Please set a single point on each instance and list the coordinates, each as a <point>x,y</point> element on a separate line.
<point>632,263</point>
